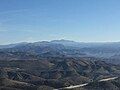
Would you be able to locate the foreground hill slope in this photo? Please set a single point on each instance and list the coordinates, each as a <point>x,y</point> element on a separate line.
<point>56,72</point>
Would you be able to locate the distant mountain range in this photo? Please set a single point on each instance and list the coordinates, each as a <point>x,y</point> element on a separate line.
<point>68,43</point>
<point>61,48</point>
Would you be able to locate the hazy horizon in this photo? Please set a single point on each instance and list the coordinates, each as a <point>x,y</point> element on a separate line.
<point>99,42</point>
<point>46,20</point>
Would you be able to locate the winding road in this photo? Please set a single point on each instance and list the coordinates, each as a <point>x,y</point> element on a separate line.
<point>82,85</point>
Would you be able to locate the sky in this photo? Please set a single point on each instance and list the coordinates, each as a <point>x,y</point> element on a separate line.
<point>41,20</point>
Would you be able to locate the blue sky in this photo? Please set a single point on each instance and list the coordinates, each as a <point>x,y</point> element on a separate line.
<point>78,20</point>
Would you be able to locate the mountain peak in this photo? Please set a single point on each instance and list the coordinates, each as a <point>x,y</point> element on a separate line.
<point>62,40</point>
